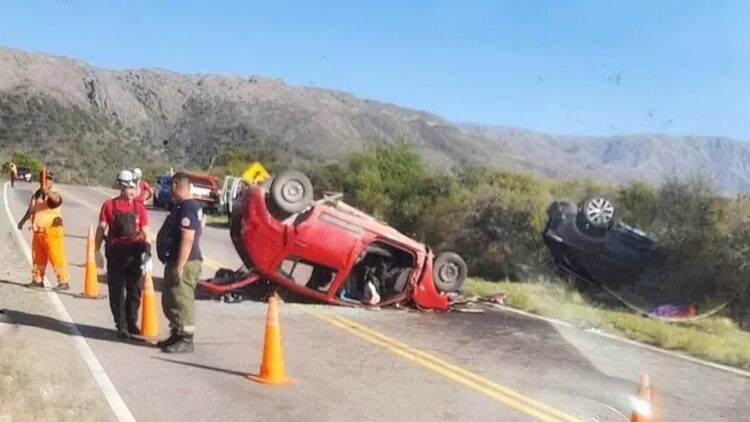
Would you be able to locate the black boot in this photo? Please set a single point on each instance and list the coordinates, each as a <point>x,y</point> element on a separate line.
<point>173,337</point>
<point>61,287</point>
<point>183,345</point>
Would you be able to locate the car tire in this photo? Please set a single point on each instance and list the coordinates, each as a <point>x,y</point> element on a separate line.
<point>449,272</point>
<point>292,192</point>
<point>597,212</point>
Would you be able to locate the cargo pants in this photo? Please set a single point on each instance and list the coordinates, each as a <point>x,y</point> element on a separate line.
<point>178,296</point>
<point>48,247</point>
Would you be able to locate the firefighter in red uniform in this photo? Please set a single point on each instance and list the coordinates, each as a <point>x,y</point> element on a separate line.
<point>127,244</point>
<point>142,187</point>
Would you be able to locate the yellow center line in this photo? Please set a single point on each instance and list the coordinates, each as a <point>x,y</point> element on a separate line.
<point>457,374</point>
<point>210,263</point>
<point>456,369</point>
<point>486,387</point>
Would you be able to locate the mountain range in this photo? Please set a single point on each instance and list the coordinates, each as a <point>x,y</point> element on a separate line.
<point>90,120</point>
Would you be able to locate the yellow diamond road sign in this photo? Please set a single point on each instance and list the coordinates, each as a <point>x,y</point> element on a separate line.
<point>255,172</point>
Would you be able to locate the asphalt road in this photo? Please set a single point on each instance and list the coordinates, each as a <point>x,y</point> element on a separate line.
<point>392,365</point>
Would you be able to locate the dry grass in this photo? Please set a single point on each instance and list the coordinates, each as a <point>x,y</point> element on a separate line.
<point>716,339</point>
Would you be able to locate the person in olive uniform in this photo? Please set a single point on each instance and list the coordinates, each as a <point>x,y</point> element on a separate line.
<point>178,247</point>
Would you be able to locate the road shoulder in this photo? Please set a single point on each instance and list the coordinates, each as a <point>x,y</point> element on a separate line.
<point>42,375</point>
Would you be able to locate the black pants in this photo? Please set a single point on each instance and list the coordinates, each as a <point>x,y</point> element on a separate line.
<point>124,280</point>
<point>12,180</point>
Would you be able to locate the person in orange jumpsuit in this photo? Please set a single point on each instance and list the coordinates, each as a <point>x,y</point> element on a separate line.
<point>47,242</point>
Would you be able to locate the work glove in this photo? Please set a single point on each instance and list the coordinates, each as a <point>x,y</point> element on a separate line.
<point>147,264</point>
<point>99,259</point>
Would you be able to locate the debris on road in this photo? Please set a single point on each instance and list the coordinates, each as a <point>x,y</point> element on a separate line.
<point>497,299</point>
<point>470,304</point>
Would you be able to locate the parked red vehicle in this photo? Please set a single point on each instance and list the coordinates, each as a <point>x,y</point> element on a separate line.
<point>206,188</point>
<point>327,251</point>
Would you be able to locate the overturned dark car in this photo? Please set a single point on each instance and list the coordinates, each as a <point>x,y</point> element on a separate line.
<point>588,242</point>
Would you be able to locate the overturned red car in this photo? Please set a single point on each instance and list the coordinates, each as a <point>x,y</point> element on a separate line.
<point>327,251</point>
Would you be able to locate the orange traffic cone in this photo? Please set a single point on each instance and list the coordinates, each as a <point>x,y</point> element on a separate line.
<point>149,320</point>
<point>643,409</point>
<point>91,280</point>
<point>272,367</point>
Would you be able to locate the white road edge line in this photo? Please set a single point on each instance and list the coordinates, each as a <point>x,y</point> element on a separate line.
<point>114,399</point>
<point>719,366</point>
<point>671,353</point>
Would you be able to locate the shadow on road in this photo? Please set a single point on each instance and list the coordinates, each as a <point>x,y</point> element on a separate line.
<point>206,367</point>
<point>46,289</point>
<point>13,283</point>
<point>62,327</point>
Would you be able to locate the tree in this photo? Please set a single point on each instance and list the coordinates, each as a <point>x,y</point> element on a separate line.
<point>24,160</point>
<point>494,219</point>
<point>235,160</point>
<point>636,204</point>
<point>330,177</point>
<point>392,183</point>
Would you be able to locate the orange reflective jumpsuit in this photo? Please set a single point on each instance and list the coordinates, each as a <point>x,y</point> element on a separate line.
<point>47,243</point>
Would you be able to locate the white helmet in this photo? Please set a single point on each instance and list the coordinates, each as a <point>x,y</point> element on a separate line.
<point>137,173</point>
<point>126,179</point>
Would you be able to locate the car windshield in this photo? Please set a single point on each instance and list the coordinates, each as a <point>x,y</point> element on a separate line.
<point>481,210</point>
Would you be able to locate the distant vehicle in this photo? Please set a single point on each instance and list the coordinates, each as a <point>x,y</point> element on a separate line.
<point>163,191</point>
<point>24,173</point>
<point>230,190</point>
<point>587,242</point>
<point>327,251</point>
<point>205,190</point>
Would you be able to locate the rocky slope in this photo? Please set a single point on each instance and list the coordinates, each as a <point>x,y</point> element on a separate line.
<point>92,120</point>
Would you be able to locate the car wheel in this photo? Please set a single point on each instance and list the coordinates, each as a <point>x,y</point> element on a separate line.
<point>292,192</point>
<point>449,272</point>
<point>597,212</point>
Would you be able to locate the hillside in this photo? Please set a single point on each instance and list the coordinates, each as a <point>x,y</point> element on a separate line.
<point>91,120</point>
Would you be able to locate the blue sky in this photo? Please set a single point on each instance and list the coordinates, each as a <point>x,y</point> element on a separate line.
<point>573,67</point>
